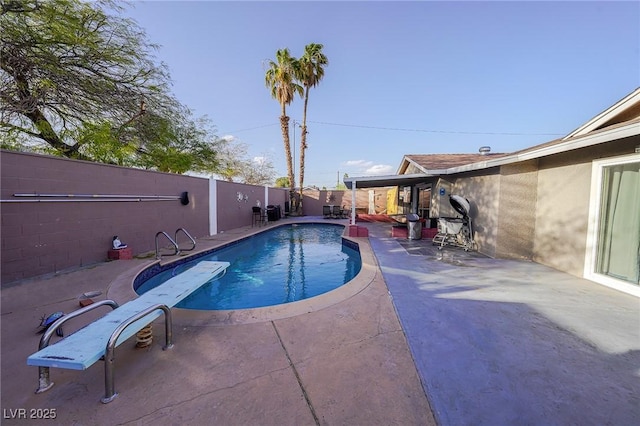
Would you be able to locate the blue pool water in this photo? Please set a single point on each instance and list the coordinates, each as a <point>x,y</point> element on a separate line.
<point>281,265</point>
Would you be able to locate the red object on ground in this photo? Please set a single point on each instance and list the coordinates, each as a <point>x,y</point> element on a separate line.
<point>85,302</point>
<point>358,231</point>
<point>429,232</point>
<point>401,232</point>
<point>122,254</point>
<point>361,217</point>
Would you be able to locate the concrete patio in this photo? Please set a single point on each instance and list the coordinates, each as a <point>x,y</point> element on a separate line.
<point>504,342</point>
<point>420,337</point>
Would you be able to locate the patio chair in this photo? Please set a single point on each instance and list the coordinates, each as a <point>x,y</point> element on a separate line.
<point>259,216</point>
<point>326,212</point>
<point>336,212</point>
<point>345,212</point>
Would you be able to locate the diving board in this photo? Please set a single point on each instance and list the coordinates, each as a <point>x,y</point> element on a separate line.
<point>83,348</point>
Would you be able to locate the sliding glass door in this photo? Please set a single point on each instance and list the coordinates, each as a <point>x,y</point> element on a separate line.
<point>619,231</point>
<point>616,254</point>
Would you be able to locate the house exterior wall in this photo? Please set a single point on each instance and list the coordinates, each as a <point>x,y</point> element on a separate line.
<point>440,206</point>
<point>47,237</point>
<point>562,213</point>
<point>482,191</point>
<point>517,210</point>
<point>563,197</point>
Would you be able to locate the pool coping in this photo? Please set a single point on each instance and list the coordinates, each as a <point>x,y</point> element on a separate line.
<point>121,289</point>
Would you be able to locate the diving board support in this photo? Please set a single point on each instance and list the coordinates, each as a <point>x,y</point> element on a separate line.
<point>109,358</point>
<point>44,382</point>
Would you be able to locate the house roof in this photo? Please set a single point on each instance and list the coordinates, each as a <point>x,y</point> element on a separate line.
<point>618,121</point>
<point>431,162</point>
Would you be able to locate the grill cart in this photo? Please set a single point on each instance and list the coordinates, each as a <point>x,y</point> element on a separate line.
<point>456,231</point>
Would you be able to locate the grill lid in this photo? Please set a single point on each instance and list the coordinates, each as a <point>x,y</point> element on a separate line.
<point>460,204</point>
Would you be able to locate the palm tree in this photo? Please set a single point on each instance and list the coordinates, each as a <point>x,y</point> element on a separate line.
<point>310,71</point>
<point>280,79</point>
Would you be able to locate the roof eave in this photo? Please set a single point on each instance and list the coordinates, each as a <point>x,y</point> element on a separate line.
<point>598,137</point>
<point>606,115</point>
<point>568,145</point>
<point>404,165</point>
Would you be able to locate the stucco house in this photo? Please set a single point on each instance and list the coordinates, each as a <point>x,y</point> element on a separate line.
<point>572,203</point>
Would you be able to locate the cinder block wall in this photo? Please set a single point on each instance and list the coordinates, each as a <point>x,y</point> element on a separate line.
<point>314,200</point>
<point>234,202</point>
<point>46,237</point>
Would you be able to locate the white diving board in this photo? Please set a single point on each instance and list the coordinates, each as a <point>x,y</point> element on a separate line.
<point>83,348</point>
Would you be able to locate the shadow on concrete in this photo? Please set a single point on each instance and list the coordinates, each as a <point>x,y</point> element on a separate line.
<point>501,342</point>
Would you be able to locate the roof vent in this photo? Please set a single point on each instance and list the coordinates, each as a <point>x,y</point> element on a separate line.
<point>484,150</point>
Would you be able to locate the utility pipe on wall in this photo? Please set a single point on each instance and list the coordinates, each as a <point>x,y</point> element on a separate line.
<point>164,197</point>
<point>86,200</point>
<point>78,198</point>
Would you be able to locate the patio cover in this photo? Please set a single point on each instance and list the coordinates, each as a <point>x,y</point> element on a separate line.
<point>382,181</point>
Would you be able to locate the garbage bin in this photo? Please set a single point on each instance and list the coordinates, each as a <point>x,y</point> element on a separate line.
<point>415,227</point>
<point>272,213</point>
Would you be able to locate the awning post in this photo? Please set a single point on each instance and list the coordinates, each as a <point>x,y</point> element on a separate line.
<point>353,202</point>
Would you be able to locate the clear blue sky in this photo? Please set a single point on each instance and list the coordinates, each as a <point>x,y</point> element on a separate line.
<point>454,75</point>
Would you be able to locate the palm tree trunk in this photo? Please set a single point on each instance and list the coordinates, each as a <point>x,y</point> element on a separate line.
<point>284,127</point>
<point>303,143</point>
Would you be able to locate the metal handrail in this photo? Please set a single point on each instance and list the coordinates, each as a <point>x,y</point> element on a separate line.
<point>175,245</point>
<point>44,382</point>
<point>184,231</point>
<point>109,355</point>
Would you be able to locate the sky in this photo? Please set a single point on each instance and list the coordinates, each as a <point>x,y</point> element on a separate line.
<point>415,77</point>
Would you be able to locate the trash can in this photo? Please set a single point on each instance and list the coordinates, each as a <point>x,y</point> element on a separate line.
<point>415,227</point>
<point>272,213</point>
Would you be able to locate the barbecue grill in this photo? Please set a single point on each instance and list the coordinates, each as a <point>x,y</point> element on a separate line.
<point>456,231</point>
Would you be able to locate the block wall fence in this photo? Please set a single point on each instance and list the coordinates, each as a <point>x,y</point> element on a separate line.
<point>67,222</point>
<point>44,234</point>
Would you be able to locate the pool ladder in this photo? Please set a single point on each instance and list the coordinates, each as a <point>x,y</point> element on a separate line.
<point>174,243</point>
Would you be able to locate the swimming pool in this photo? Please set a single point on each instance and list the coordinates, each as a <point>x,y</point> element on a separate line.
<point>282,265</point>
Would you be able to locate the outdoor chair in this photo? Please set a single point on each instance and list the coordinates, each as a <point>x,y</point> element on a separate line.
<point>336,212</point>
<point>259,216</point>
<point>326,211</point>
<point>345,212</point>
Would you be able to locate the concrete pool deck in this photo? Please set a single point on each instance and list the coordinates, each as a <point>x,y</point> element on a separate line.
<point>491,342</point>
